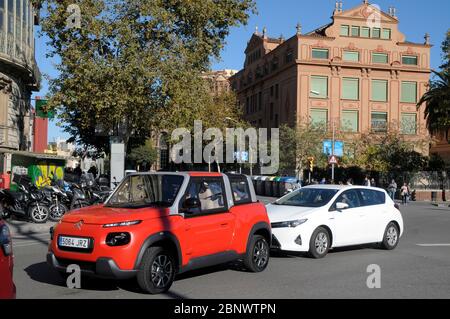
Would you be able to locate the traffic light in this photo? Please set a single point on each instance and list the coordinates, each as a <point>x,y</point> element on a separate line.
<point>311,163</point>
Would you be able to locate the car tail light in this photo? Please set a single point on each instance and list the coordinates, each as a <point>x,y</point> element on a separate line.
<point>5,240</point>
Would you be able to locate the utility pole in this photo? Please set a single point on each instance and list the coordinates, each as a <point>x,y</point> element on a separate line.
<point>333,150</point>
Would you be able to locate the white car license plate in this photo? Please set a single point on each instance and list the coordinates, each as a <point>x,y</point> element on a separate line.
<point>73,242</point>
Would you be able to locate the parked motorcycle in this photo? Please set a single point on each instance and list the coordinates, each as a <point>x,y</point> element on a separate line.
<point>27,202</point>
<point>59,202</point>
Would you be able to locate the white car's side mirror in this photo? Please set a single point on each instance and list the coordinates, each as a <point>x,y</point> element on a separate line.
<point>342,206</point>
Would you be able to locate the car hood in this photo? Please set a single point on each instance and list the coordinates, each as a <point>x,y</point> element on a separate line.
<point>280,213</point>
<point>100,215</point>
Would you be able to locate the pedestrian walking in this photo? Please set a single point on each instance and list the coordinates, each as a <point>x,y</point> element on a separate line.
<point>350,182</point>
<point>392,189</point>
<point>405,193</point>
<point>372,183</point>
<point>367,181</point>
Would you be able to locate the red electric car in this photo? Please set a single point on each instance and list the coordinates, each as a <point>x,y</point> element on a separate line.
<point>157,225</point>
<point>7,287</point>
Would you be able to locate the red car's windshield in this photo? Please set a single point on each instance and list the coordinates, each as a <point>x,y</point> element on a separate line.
<point>146,190</point>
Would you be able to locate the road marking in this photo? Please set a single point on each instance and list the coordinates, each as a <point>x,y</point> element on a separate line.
<point>433,245</point>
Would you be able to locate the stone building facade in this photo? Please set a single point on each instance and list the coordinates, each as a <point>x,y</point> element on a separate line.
<point>19,74</point>
<point>357,73</point>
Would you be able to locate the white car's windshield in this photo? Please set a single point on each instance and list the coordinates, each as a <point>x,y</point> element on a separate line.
<point>146,190</point>
<point>308,197</point>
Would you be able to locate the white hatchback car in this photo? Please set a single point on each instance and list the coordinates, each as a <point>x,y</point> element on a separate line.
<point>317,218</point>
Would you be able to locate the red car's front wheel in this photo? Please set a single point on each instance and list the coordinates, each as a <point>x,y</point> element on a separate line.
<point>157,271</point>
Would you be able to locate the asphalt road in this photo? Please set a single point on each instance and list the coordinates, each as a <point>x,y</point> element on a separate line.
<point>418,268</point>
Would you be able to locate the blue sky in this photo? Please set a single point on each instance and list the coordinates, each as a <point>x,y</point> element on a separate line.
<point>281,17</point>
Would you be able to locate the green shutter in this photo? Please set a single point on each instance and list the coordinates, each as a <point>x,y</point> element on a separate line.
<point>319,87</point>
<point>379,90</point>
<point>379,122</point>
<point>319,117</point>
<point>355,31</point>
<point>376,33</point>
<point>386,34</point>
<point>345,30</point>
<point>320,53</point>
<point>349,121</point>
<point>351,56</point>
<point>409,124</point>
<point>365,32</point>
<point>380,58</point>
<point>350,89</point>
<point>409,60</point>
<point>409,92</point>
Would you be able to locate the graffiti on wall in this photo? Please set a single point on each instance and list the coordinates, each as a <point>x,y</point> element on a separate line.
<point>42,175</point>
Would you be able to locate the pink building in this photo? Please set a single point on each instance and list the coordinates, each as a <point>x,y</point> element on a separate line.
<point>357,72</point>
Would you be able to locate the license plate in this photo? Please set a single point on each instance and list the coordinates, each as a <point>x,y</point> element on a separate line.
<point>73,242</point>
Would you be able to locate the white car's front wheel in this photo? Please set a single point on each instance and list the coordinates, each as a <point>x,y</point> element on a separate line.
<point>391,237</point>
<point>319,243</point>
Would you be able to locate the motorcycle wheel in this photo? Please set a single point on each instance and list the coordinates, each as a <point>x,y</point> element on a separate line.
<point>57,212</point>
<point>3,212</point>
<point>39,216</point>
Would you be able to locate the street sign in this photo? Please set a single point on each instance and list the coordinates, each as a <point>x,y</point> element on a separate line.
<point>338,148</point>
<point>333,160</point>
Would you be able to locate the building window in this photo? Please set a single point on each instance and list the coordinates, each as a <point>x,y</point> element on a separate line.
<point>10,16</point>
<point>319,87</point>
<point>355,31</point>
<point>379,122</point>
<point>365,32</point>
<point>409,92</point>
<point>409,124</point>
<point>260,102</point>
<point>320,53</point>
<point>349,121</point>
<point>247,105</point>
<point>274,64</point>
<point>376,33</point>
<point>386,34</point>
<point>319,117</point>
<point>351,56</point>
<point>350,88</point>
<point>277,91</point>
<point>381,58</point>
<point>289,56</point>
<point>2,16</point>
<point>345,30</point>
<point>276,120</point>
<point>379,90</point>
<point>409,59</point>
<point>271,91</point>
<point>271,111</point>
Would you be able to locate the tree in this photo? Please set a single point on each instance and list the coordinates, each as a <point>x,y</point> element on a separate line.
<point>134,65</point>
<point>299,143</point>
<point>143,156</point>
<point>437,99</point>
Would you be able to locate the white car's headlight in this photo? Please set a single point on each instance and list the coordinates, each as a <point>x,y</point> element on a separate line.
<point>289,224</point>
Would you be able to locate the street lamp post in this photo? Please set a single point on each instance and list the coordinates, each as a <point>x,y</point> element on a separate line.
<point>332,150</point>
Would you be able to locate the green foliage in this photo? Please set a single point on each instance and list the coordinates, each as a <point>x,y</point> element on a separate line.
<point>300,143</point>
<point>144,155</point>
<point>134,65</point>
<point>437,99</point>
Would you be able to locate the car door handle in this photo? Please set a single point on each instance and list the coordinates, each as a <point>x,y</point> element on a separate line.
<point>224,224</point>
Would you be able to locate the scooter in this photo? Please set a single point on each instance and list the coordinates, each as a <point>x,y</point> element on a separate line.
<point>25,203</point>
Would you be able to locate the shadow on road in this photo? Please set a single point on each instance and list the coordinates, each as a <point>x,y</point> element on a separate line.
<point>17,229</point>
<point>43,273</point>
